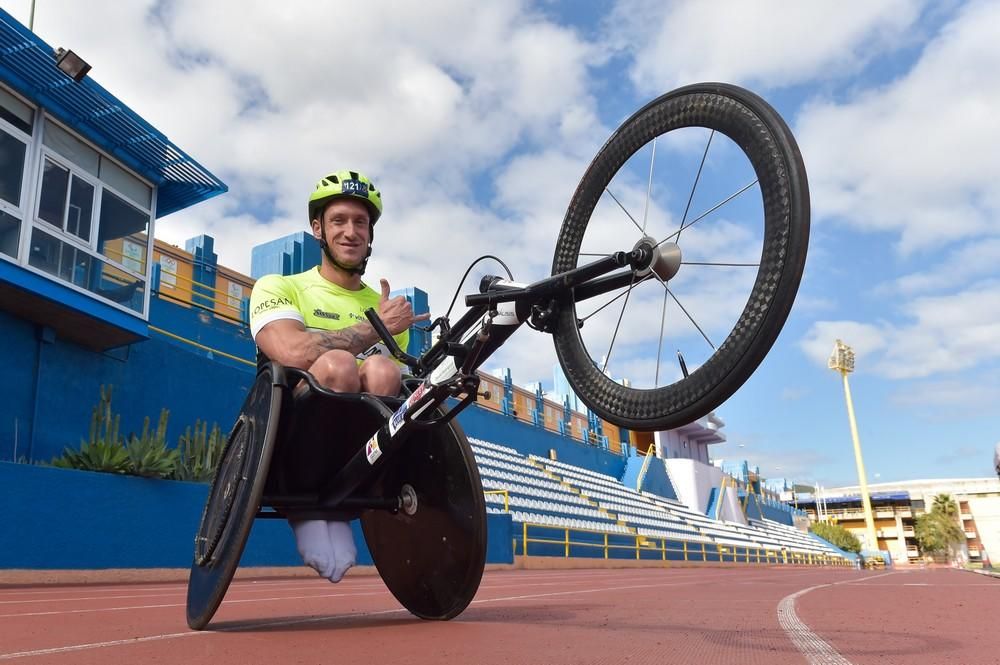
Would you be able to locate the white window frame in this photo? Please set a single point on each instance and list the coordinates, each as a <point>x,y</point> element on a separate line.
<point>20,211</point>
<point>75,172</point>
<point>149,231</point>
<point>31,197</point>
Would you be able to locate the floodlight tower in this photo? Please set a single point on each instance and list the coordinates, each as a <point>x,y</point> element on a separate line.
<point>842,360</point>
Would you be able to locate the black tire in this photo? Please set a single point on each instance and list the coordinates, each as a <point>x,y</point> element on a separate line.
<point>432,561</point>
<point>234,498</point>
<point>767,143</point>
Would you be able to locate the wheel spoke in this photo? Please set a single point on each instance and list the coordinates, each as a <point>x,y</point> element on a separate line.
<point>690,318</point>
<point>624,210</point>
<point>659,346</point>
<point>713,263</point>
<point>649,188</point>
<point>607,303</point>
<point>694,186</point>
<point>683,309</point>
<point>708,212</point>
<point>607,358</point>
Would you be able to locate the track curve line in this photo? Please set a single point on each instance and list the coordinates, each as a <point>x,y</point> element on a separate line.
<point>816,650</point>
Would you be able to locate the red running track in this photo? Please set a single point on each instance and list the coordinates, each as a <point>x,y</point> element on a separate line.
<point>680,615</point>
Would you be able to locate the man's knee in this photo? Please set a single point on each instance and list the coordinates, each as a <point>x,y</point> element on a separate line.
<point>380,375</point>
<point>337,370</point>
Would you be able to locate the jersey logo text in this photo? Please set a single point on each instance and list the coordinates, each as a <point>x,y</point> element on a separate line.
<point>326,315</point>
<point>270,303</point>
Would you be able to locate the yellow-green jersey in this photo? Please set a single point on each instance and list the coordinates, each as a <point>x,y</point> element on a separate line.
<point>316,303</point>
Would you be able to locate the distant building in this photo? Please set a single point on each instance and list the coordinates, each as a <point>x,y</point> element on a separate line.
<point>288,255</point>
<point>897,505</point>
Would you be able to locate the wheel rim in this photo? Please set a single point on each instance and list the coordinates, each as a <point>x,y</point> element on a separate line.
<point>748,222</point>
<point>232,472</point>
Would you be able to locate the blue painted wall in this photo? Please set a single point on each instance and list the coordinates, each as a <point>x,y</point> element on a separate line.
<point>657,481</point>
<point>68,519</point>
<point>530,440</point>
<point>52,386</point>
<point>784,516</point>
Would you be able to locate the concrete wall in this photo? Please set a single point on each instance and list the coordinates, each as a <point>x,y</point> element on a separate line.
<point>68,519</point>
<point>693,481</point>
<point>986,512</point>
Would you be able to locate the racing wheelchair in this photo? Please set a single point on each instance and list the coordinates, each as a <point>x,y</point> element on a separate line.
<point>403,465</point>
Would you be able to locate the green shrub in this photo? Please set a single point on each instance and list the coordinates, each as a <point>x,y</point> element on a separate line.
<point>199,453</point>
<point>105,450</point>
<point>838,535</point>
<point>149,455</point>
<point>195,457</point>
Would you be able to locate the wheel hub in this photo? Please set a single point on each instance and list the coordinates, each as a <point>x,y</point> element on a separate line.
<point>408,499</point>
<point>663,259</point>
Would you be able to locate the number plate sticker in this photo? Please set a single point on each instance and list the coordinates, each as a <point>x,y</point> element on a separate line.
<point>396,421</point>
<point>372,451</point>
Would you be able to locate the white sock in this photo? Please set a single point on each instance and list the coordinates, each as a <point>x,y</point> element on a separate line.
<point>345,552</point>
<point>313,543</point>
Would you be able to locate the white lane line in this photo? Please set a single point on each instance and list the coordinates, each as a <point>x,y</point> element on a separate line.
<point>815,649</point>
<point>354,591</point>
<point>252,625</point>
<point>225,602</point>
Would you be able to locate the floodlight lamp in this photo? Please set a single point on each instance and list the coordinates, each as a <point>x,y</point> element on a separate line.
<point>71,64</point>
<point>842,358</point>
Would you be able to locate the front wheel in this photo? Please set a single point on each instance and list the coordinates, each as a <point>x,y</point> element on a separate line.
<point>710,178</point>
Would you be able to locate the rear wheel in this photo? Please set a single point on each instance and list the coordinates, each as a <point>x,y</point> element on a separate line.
<point>710,177</point>
<point>233,499</point>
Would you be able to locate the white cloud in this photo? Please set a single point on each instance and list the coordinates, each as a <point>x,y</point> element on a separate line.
<point>938,335</point>
<point>918,156</point>
<point>769,43</point>
<point>972,260</point>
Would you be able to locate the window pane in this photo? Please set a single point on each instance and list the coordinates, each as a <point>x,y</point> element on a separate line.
<point>81,209</point>
<point>45,252</point>
<point>16,112</point>
<point>11,168</point>
<point>126,183</point>
<point>119,286</point>
<point>71,147</point>
<point>10,234</point>
<point>63,260</point>
<point>122,232</point>
<point>52,203</point>
<point>76,266</point>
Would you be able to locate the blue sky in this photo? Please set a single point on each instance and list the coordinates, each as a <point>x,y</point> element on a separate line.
<point>478,118</point>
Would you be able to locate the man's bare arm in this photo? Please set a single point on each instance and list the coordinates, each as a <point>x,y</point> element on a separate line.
<point>288,342</point>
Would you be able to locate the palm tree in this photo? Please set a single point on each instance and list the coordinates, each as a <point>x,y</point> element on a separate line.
<point>939,531</point>
<point>943,503</point>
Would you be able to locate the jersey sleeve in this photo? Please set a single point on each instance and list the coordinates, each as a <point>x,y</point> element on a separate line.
<point>272,298</point>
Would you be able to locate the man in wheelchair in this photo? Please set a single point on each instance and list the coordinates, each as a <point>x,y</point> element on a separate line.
<point>315,321</point>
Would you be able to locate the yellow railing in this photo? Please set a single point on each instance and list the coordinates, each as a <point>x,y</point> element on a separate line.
<point>663,547</point>
<point>506,498</point>
<point>649,454</point>
<point>217,297</point>
<point>202,346</point>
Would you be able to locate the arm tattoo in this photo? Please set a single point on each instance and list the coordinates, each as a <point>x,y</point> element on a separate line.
<point>354,339</point>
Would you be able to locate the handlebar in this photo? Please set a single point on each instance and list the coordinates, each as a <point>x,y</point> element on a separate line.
<point>388,340</point>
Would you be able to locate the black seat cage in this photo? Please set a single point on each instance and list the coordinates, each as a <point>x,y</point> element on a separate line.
<point>330,446</point>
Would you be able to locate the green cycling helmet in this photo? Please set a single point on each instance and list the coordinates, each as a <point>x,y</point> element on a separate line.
<point>346,183</point>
